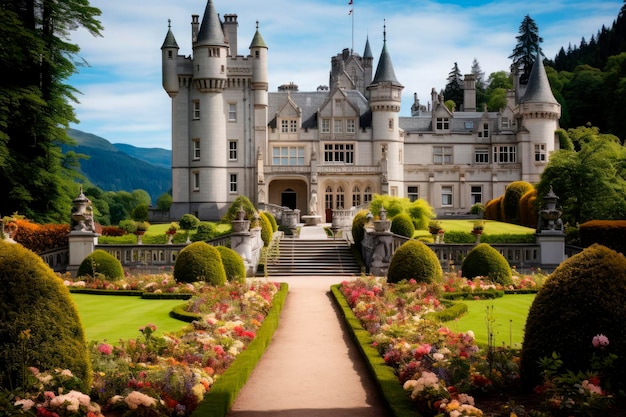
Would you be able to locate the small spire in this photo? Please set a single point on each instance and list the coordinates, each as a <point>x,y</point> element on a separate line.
<point>257,25</point>
<point>169,23</point>
<point>384,30</point>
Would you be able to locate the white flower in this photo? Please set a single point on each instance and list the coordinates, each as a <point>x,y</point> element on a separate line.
<point>26,404</point>
<point>136,398</point>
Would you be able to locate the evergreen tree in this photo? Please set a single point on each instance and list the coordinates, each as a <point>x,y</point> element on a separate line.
<point>454,87</point>
<point>479,75</point>
<point>35,59</point>
<point>527,49</point>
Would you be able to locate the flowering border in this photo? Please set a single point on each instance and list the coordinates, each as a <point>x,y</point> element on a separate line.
<point>393,394</point>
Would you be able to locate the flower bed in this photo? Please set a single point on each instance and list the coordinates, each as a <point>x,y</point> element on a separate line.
<point>166,375</point>
<point>445,373</point>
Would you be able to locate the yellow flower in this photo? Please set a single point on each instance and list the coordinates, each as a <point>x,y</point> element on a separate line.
<point>513,415</point>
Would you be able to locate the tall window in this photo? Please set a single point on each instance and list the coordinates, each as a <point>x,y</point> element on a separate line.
<point>390,123</point>
<point>232,112</point>
<point>504,154</point>
<point>325,125</point>
<point>413,192</point>
<point>340,198</point>
<point>476,194</point>
<point>196,149</point>
<point>196,110</point>
<point>350,126</point>
<point>443,123</point>
<point>356,196</point>
<point>293,126</point>
<point>328,199</point>
<point>233,183</point>
<point>195,182</point>
<point>540,152</point>
<point>232,150</point>
<point>339,153</point>
<point>442,154</point>
<point>481,155</point>
<point>338,124</point>
<point>446,196</point>
<point>484,132</point>
<point>367,195</point>
<point>288,155</point>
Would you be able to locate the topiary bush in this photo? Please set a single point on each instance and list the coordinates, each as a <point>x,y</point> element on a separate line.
<point>200,261</point>
<point>358,227</point>
<point>272,220</point>
<point>39,322</point>
<point>240,202</point>
<point>493,209</point>
<point>511,202</point>
<point>100,263</point>
<point>485,261</point>
<point>206,231</point>
<point>585,296</point>
<point>233,264</point>
<point>266,228</point>
<point>414,260</point>
<point>528,209</point>
<point>403,225</point>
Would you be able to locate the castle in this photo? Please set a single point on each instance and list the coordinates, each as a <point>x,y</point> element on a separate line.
<point>338,146</point>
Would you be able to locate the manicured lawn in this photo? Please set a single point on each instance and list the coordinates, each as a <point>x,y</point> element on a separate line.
<point>491,227</point>
<point>509,314</point>
<point>119,317</point>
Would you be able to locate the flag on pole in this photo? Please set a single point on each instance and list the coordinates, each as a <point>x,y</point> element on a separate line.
<point>350,12</point>
<point>350,2</point>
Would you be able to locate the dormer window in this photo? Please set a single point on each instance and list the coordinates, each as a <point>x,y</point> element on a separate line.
<point>484,132</point>
<point>443,123</point>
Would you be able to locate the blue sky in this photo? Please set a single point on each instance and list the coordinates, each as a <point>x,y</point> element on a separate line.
<point>122,99</point>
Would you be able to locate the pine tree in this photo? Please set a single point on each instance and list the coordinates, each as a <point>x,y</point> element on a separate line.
<point>481,94</point>
<point>527,49</point>
<point>454,87</point>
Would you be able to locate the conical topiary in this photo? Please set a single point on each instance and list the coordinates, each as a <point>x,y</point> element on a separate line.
<point>39,323</point>
<point>485,261</point>
<point>414,260</point>
<point>585,296</point>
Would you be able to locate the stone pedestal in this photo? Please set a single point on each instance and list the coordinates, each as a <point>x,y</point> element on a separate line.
<point>552,246</point>
<point>381,258</point>
<point>311,219</point>
<point>81,244</point>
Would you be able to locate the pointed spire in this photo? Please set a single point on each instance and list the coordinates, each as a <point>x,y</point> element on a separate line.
<point>211,32</point>
<point>368,50</point>
<point>538,87</point>
<point>384,70</point>
<point>257,40</point>
<point>170,41</point>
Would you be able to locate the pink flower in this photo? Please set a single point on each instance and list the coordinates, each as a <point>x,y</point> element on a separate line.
<point>600,341</point>
<point>105,348</point>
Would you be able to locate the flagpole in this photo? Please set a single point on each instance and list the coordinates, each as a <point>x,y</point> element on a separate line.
<point>351,3</point>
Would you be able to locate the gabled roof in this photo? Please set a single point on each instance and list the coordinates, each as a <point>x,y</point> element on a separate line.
<point>210,32</point>
<point>538,88</point>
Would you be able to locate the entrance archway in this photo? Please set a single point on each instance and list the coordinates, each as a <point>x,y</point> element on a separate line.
<point>289,198</point>
<point>292,193</point>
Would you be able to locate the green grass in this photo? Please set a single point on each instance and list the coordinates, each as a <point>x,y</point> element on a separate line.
<point>491,227</point>
<point>509,314</point>
<point>115,317</point>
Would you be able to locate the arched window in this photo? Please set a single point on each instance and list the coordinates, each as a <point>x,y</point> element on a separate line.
<point>340,198</point>
<point>328,198</point>
<point>356,196</point>
<point>367,195</point>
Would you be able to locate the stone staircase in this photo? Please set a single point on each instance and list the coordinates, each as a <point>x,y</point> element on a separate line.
<point>308,257</point>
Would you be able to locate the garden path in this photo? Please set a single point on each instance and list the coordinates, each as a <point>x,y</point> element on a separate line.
<point>312,367</point>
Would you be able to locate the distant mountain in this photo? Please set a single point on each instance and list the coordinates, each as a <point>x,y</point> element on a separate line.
<point>123,167</point>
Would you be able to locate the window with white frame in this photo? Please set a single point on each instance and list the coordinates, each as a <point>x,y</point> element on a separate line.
<point>288,155</point>
<point>196,110</point>
<point>339,153</point>
<point>476,194</point>
<point>232,183</point>
<point>446,196</point>
<point>484,132</point>
<point>325,125</point>
<point>356,196</point>
<point>481,155</point>
<point>540,152</point>
<point>196,149</point>
<point>340,198</point>
<point>413,192</point>
<point>442,123</point>
<point>505,122</point>
<point>367,195</point>
<point>195,182</point>
<point>350,126</point>
<point>442,155</point>
<point>504,154</point>
<point>232,150</point>
<point>232,112</point>
<point>338,126</point>
<point>293,126</point>
<point>284,126</point>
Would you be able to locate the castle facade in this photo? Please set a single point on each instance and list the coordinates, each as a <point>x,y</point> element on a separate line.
<point>338,146</point>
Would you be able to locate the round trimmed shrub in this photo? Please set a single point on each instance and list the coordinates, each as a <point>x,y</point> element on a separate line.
<point>511,202</point>
<point>206,231</point>
<point>240,202</point>
<point>528,209</point>
<point>266,228</point>
<point>200,261</point>
<point>358,227</point>
<point>585,296</point>
<point>188,222</point>
<point>39,322</point>
<point>233,264</point>
<point>414,260</point>
<point>100,263</point>
<point>403,225</point>
<point>485,261</point>
<point>272,220</point>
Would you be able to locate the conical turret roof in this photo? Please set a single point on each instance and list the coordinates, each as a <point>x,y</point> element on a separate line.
<point>368,50</point>
<point>257,40</point>
<point>170,41</point>
<point>384,70</point>
<point>538,87</point>
<point>211,32</point>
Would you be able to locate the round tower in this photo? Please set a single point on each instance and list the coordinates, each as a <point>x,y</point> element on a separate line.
<point>385,97</point>
<point>169,55</point>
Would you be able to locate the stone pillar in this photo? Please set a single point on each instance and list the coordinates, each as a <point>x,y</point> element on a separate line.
<point>550,232</point>
<point>241,241</point>
<point>83,237</point>
<point>382,242</point>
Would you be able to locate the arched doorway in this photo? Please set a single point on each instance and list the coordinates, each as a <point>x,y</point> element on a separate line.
<point>292,193</point>
<point>289,198</point>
